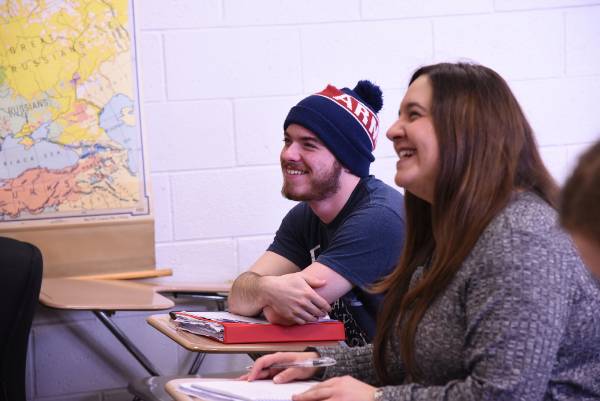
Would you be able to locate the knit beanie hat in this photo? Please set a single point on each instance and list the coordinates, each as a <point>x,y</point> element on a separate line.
<point>345,120</point>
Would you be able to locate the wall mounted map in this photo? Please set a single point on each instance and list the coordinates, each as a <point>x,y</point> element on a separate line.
<point>70,134</point>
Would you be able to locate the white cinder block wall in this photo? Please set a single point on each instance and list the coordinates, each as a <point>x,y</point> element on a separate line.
<point>218,77</point>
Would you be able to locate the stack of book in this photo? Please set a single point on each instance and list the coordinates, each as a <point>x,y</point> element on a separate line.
<point>234,329</point>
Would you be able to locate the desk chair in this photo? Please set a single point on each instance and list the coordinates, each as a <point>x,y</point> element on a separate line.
<point>20,282</point>
<point>152,388</point>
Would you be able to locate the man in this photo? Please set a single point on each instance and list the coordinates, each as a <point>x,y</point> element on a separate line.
<point>580,207</point>
<point>346,232</point>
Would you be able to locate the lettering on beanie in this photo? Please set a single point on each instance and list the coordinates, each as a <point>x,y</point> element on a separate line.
<point>363,115</point>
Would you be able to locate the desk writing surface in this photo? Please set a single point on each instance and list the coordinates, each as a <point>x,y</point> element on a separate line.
<point>96,294</point>
<point>217,288</point>
<point>77,293</point>
<point>193,342</point>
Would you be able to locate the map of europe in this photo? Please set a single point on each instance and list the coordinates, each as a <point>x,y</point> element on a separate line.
<point>70,137</point>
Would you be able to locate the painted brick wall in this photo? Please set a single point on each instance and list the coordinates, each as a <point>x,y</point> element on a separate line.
<point>217,79</point>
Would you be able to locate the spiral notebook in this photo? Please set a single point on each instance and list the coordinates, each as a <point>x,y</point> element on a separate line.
<point>241,390</point>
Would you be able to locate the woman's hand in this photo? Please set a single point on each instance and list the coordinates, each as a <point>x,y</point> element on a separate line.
<point>343,388</point>
<point>261,368</point>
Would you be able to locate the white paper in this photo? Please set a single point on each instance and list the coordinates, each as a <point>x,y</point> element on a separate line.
<point>228,317</point>
<point>231,317</point>
<point>241,390</point>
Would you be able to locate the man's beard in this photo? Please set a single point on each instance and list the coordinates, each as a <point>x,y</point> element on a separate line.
<point>322,186</point>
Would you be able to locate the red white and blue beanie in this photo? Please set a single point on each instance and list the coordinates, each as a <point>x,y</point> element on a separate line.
<point>345,120</point>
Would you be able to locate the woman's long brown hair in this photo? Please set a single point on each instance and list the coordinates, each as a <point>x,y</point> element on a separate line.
<point>487,151</point>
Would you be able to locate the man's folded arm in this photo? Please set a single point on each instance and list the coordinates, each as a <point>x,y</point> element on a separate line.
<point>335,286</point>
<point>285,294</point>
<point>246,296</point>
<point>305,296</point>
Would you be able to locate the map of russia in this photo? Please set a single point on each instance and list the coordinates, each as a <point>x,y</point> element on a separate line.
<point>70,135</point>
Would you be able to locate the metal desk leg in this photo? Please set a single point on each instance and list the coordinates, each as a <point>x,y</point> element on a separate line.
<point>197,363</point>
<point>118,333</point>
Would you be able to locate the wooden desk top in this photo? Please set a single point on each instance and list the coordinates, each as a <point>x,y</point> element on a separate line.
<point>216,288</point>
<point>77,293</point>
<point>95,294</point>
<point>193,342</point>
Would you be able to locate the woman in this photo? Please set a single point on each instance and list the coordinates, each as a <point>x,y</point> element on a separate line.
<point>489,300</point>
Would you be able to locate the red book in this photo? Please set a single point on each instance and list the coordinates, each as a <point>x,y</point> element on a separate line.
<point>234,329</point>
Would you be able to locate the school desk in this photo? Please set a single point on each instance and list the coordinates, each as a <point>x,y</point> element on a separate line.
<point>106,297</point>
<point>197,343</point>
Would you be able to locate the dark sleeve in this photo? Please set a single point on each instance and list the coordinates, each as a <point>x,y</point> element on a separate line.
<point>289,240</point>
<point>366,246</point>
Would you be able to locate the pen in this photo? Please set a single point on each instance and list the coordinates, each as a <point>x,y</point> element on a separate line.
<point>306,363</point>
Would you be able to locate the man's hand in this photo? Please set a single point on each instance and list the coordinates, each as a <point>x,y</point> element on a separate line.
<point>245,298</point>
<point>272,316</point>
<point>291,298</point>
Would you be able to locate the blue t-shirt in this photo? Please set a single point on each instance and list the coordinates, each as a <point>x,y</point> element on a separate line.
<point>362,244</point>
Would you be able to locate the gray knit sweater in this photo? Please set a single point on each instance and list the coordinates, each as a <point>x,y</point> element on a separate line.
<point>519,321</point>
